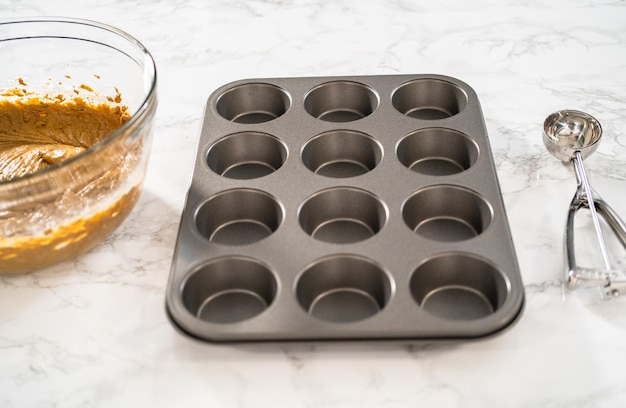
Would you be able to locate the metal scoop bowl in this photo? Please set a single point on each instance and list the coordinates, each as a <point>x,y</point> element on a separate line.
<point>571,136</point>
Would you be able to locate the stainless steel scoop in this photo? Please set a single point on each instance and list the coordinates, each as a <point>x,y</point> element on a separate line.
<point>571,136</point>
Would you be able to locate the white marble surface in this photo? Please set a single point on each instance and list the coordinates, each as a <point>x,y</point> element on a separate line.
<point>93,332</point>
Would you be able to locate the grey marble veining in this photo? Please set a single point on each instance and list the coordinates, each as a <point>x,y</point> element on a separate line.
<point>92,332</point>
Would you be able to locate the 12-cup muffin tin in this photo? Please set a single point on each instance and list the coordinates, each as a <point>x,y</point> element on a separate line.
<point>344,208</point>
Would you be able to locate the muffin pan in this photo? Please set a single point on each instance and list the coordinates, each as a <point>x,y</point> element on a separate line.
<point>344,208</point>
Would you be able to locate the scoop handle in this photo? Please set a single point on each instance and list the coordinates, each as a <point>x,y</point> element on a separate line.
<point>589,198</point>
<point>585,193</point>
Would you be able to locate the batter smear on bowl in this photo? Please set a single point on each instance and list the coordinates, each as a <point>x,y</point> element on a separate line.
<point>37,133</point>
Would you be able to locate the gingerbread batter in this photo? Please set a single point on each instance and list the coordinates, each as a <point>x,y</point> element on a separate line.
<point>40,131</point>
<point>37,132</point>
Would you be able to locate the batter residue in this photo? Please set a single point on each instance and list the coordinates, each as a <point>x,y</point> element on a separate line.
<point>37,132</point>
<point>41,131</point>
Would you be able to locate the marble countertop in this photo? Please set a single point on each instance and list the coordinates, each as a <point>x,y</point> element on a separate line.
<point>93,332</point>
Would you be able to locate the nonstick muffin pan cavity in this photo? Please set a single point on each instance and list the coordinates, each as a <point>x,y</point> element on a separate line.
<point>344,208</point>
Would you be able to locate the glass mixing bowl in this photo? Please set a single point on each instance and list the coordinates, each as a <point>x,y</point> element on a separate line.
<point>64,209</point>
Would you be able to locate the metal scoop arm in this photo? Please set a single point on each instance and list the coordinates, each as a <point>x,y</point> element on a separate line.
<point>611,280</point>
